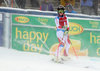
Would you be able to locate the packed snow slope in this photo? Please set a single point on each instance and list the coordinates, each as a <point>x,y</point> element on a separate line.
<point>13,60</point>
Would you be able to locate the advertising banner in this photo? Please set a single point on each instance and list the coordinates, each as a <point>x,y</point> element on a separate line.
<point>38,34</point>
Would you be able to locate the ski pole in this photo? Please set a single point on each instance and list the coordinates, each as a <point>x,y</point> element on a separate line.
<point>73,48</point>
<point>74,51</point>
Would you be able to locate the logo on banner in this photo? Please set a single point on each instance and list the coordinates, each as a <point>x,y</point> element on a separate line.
<point>43,20</point>
<point>22,19</point>
<point>75,29</point>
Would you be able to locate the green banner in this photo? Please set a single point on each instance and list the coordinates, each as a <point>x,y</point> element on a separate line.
<point>38,34</point>
<point>20,19</point>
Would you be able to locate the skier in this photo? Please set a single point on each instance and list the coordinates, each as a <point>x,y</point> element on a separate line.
<point>62,26</point>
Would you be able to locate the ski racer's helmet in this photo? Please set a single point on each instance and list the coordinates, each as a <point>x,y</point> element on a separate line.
<point>61,9</point>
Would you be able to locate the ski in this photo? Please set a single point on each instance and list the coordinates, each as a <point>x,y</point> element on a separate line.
<point>57,61</point>
<point>61,60</point>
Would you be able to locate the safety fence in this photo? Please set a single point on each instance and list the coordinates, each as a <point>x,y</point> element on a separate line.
<point>36,32</point>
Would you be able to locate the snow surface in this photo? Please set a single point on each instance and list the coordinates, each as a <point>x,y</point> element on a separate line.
<point>13,60</point>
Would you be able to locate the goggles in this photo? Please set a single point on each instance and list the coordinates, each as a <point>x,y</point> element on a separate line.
<point>60,11</point>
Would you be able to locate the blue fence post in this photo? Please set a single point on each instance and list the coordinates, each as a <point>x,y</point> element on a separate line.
<point>7,30</point>
<point>1,29</point>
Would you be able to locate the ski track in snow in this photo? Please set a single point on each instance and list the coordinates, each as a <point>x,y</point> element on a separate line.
<point>13,60</point>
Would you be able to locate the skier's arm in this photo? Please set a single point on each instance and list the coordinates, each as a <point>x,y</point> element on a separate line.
<point>57,22</point>
<point>67,25</point>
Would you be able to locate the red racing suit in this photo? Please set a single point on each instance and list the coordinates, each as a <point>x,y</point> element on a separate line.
<point>62,26</point>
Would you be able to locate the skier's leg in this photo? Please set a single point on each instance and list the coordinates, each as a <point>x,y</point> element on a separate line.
<point>60,37</point>
<point>61,44</point>
<point>67,46</point>
<point>66,52</point>
<point>58,53</point>
<point>59,49</point>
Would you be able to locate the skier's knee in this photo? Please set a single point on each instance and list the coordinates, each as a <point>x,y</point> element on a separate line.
<point>61,45</point>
